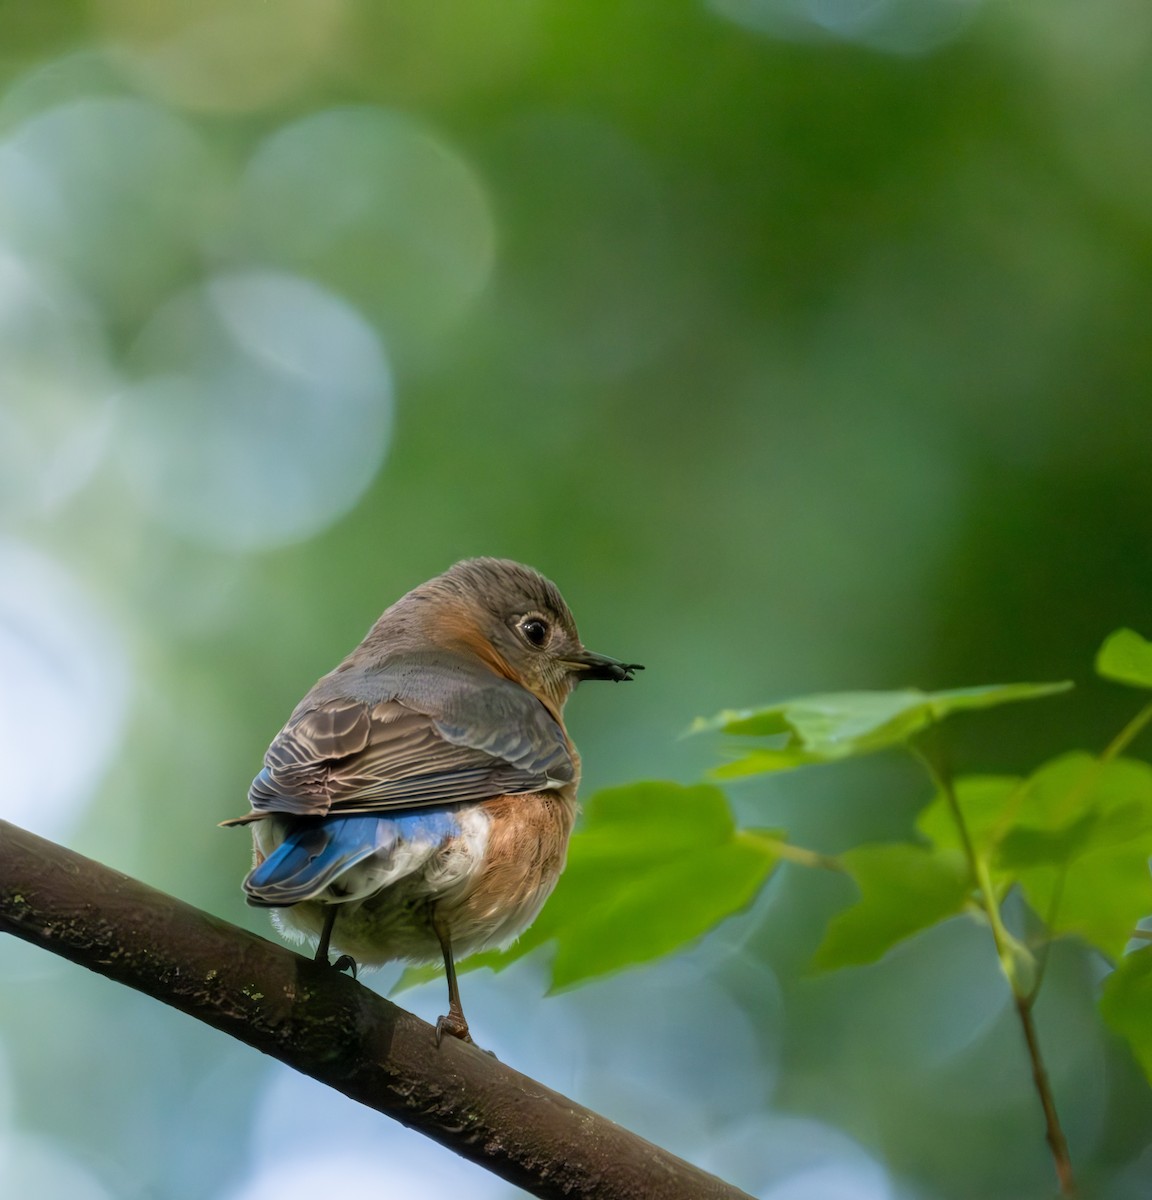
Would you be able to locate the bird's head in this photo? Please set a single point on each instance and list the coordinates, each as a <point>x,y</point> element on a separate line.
<point>517,622</point>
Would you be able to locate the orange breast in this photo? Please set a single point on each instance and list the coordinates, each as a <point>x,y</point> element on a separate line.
<point>527,847</point>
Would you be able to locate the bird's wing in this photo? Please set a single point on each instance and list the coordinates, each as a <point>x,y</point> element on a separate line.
<point>349,756</point>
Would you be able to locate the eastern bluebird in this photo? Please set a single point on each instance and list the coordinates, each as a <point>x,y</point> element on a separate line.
<point>418,802</point>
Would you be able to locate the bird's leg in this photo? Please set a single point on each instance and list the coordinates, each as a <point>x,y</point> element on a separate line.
<point>326,934</point>
<point>454,1023</point>
<point>345,962</point>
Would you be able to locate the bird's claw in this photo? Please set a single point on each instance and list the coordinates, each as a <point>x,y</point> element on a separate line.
<point>457,1027</point>
<point>345,963</point>
<point>454,1025</point>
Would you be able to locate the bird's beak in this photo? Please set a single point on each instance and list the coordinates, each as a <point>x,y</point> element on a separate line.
<point>586,665</point>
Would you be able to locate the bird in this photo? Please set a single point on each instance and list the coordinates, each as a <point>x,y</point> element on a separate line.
<point>417,804</point>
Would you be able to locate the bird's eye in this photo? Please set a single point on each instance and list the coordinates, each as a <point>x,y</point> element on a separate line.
<point>535,629</point>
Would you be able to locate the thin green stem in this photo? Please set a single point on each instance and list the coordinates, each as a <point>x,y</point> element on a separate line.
<point>1023,994</point>
<point>792,853</point>
<point>1045,952</point>
<point>1127,735</point>
<point>990,903</point>
<point>1054,1132</point>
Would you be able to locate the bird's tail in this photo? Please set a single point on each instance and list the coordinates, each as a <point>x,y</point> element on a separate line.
<point>313,855</point>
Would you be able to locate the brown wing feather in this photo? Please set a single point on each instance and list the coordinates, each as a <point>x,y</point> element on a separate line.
<point>351,757</point>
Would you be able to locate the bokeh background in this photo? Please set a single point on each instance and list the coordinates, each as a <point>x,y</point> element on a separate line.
<point>805,343</point>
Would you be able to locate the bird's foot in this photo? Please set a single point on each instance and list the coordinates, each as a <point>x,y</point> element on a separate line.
<point>346,963</point>
<point>455,1025</point>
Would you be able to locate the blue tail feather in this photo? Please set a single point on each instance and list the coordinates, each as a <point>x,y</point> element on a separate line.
<point>316,852</point>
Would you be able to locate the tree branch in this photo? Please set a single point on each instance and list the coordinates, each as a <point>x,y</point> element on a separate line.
<point>330,1027</point>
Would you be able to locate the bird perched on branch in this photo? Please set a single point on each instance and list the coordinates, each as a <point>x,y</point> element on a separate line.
<point>418,802</point>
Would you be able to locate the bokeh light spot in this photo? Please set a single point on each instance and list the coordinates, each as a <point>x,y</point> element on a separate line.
<point>115,192</point>
<point>414,50</point>
<point>84,74</point>
<point>1092,64</point>
<point>306,1136</point>
<point>378,207</point>
<point>261,411</point>
<point>63,691</point>
<point>896,26</point>
<point>222,55</point>
<point>56,389</point>
<point>793,1158</point>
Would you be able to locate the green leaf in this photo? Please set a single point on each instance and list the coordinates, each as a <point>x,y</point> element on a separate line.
<point>1126,1004</point>
<point>627,832</point>
<point>656,865</point>
<point>824,728</point>
<point>1053,800</point>
<point>903,889</point>
<point>764,762</point>
<point>1079,841</point>
<point>1100,899</point>
<point>657,911</point>
<point>755,722</point>
<point>992,696</point>
<point>1126,657</point>
<point>653,819</point>
<point>1077,804</point>
<point>1075,835</point>
<point>831,726</point>
<point>1023,848</point>
<point>987,802</point>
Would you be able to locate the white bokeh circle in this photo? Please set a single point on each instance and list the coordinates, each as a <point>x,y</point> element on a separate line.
<point>260,412</point>
<point>63,692</point>
<point>57,389</point>
<point>114,191</point>
<point>377,205</point>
